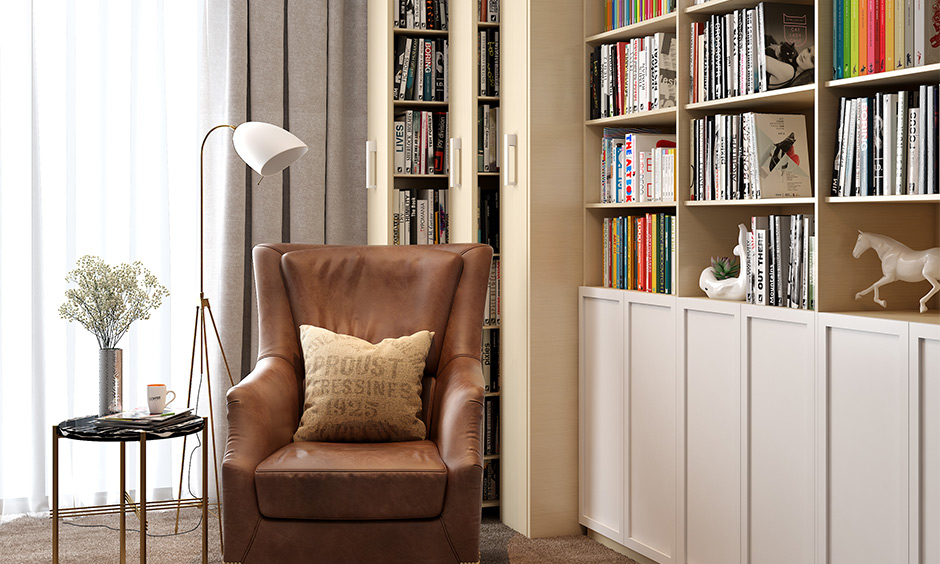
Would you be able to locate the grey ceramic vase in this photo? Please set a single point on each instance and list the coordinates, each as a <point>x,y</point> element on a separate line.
<point>110,381</point>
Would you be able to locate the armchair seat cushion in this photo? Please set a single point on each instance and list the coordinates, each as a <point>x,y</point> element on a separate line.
<point>352,481</point>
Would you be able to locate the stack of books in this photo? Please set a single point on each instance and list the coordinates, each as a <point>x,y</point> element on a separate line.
<point>141,418</point>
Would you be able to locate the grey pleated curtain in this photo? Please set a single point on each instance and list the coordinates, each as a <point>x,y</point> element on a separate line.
<point>300,65</point>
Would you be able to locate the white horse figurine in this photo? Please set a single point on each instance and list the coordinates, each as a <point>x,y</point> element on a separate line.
<point>899,262</point>
<point>729,288</point>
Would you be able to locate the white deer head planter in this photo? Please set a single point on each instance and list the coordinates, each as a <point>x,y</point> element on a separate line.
<point>729,288</point>
<point>899,262</point>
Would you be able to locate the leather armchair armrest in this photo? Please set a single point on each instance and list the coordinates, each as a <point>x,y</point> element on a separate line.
<point>457,429</point>
<point>263,412</point>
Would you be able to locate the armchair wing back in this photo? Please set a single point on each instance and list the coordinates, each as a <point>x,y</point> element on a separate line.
<point>414,501</point>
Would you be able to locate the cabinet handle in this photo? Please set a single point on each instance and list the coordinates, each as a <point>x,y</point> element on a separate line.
<point>371,153</point>
<point>509,159</point>
<point>455,162</point>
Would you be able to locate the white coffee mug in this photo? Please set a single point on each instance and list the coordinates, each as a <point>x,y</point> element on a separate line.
<point>157,397</point>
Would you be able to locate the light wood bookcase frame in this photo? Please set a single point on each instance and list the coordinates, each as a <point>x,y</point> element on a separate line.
<point>706,229</point>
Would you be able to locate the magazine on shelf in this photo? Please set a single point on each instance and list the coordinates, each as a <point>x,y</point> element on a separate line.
<point>788,56</point>
<point>141,417</point>
<point>782,155</point>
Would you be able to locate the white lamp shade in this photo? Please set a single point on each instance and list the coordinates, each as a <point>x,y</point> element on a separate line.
<point>267,148</point>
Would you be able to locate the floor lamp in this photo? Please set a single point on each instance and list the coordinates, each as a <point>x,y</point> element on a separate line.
<point>267,149</point>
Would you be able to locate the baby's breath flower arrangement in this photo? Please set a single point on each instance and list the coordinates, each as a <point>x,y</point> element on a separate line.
<point>108,300</point>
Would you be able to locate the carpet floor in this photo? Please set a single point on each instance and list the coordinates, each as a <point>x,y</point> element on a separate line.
<point>94,540</point>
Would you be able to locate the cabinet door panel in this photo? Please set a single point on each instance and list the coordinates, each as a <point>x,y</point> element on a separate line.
<point>779,361</point>
<point>925,370</point>
<point>602,412</point>
<point>864,362</point>
<point>711,368</point>
<point>651,432</point>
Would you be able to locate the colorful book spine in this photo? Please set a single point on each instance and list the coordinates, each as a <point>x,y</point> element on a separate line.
<point>899,15</point>
<point>837,26</point>
<point>853,41</point>
<point>850,30</point>
<point>889,35</point>
<point>879,43</point>
<point>872,6</point>
<point>862,37</point>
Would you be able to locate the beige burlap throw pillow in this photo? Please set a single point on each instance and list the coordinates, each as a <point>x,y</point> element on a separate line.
<point>360,392</point>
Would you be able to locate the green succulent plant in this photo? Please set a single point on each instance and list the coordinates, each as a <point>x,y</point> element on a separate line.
<point>725,267</point>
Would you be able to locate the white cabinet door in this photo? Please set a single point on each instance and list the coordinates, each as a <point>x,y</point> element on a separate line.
<point>779,360</point>
<point>710,371</point>
<point>651,426</point>
<point>601,411</point>
<point>925,374</point>
<point>863,370</point>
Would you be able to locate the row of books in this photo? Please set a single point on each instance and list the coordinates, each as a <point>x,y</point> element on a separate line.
<point>632,76</point>
<point>887,144</point>
<point>488,10</point>
<point>620,13</point>
<point>490,360</point>
<point>640,252</point>
<point>420,14</point>
<point>420,217</point>
<point>488,219</point>
<point>779,261</point>
<point>421,69</point>
<point>490,425</point>
<point>491,480</point>
<point>637,166</point>
<point>492,313</point>
<point>750,156</point>
<point>488,138</point>
<point>873,36</point>
<point>488,62</point>
<point>421,142</point>
<point>752,50</point>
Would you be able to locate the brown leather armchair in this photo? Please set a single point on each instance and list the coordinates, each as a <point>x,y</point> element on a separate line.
<point>409,502</point>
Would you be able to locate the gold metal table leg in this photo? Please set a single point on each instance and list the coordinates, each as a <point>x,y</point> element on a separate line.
<point>55,494</point>
<point>142,494</point>
<point>205,492</point>
<point>123,507</point>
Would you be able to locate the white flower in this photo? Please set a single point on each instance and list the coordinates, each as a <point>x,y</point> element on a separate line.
<point>107,300</point>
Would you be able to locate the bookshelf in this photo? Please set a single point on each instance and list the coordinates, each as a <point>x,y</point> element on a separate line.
<point>540,230</point>
<point>726,503</point>
<point>461,179</point>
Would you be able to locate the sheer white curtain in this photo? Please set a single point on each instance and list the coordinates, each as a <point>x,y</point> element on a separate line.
<point>99,154</point>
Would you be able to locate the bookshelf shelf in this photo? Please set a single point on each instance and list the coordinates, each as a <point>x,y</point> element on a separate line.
<point>900,77</point>
<point>488,25</point>
<point>725,6</point>
<point>488,99</point>
<point>630,205</point>
<point>911,316</point>
<point>753,202</point>
<point>794,99</point>
<point>419,105</point>
<point>491,503</point>
<point>662,116</point>
<point>421,32</point>
<point>929,198</point>
<point>665,22</point>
